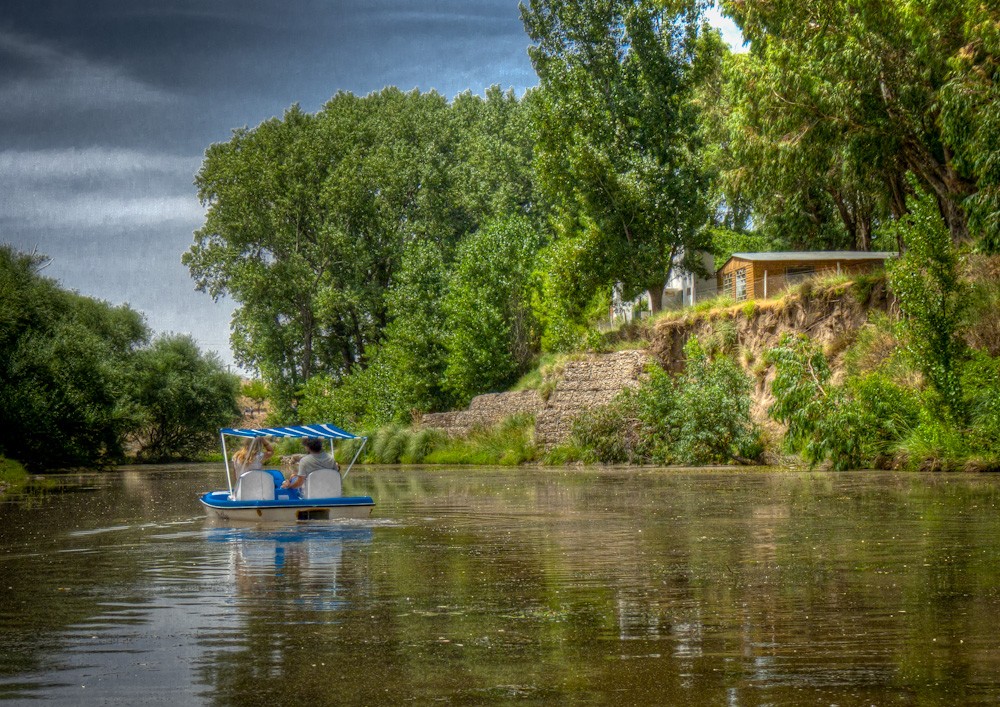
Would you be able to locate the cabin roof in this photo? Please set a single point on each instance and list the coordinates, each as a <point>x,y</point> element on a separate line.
<point>817,255</point>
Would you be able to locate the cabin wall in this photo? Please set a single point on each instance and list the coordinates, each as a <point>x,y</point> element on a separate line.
<point>780,275</point>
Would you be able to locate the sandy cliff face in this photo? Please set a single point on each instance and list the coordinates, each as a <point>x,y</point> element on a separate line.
<point>830,317</point>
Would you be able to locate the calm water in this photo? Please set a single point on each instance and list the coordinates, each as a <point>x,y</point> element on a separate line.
<point>510,586</point>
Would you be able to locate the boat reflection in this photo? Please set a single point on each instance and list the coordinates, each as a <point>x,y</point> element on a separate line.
<point>296,566</point>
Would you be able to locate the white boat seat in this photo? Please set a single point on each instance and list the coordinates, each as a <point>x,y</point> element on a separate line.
<point>254,485</point>
<point>323,483</point>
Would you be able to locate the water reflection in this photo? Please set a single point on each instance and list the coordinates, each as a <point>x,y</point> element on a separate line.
<point>502,586</point>
<point>266,561</point>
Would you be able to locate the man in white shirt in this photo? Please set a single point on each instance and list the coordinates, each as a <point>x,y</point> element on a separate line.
<point>315,459</point>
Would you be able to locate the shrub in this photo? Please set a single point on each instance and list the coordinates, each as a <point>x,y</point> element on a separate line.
<point>713,407</point>
<point>568,453</point>
<point>935,444</point>
<point>702,417</point>
<point>981,387</point>
<point>932,297</point>
<point>859,424</point>
<point>348,448</point>
<point>611,433</point>
<point>885,413</point>
<point>11,472</point>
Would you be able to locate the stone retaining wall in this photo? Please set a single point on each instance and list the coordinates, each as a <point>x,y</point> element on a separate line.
<point>483,411</point>
<point>584,384</point>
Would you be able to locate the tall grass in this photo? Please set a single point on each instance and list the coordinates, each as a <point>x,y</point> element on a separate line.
<point>509,443</point>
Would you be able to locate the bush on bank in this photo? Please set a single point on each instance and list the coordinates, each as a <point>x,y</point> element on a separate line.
<point>699,417</point>
<point>12,473</point>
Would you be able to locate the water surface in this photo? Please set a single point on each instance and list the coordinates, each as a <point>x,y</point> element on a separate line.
<point>486,586</point>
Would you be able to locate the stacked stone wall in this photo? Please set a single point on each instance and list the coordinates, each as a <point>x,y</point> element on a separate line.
<point>585,384</point>
<point>483,411</point>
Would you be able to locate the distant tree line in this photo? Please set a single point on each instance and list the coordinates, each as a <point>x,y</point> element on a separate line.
<point>400,253</point>
<point>81,384</point>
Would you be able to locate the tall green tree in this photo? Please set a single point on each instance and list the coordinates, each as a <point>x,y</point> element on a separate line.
<point>617,148</point>
<point>484,174</point>
<point>491,332</point>
<point>933,299</point>
<point>183,397</point>
<point>859,92</point>
<point>64,370</point>
<point>308,217</point>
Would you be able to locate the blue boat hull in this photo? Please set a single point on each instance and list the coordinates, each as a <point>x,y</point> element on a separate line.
<point>219,506</point>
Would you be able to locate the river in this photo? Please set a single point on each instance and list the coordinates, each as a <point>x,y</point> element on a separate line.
<point>509,586</point>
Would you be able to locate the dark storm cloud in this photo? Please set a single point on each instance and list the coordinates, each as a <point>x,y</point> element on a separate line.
<point>107,106</point>
<point>236,63</point>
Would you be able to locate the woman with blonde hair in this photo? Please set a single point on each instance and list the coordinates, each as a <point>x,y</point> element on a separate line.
<point>252,455</point>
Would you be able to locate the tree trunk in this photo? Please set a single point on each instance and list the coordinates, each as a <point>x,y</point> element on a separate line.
<point>948,187</point>
<point>656,297</point>
<point>307,344</point>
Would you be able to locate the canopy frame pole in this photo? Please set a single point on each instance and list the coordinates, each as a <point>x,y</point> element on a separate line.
<point>364,441</point>
<point>225,458</point>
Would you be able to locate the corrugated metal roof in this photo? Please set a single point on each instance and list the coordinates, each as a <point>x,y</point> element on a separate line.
<point>817,255</point>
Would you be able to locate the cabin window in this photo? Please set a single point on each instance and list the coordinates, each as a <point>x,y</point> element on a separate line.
<point>741,284</point>
<point>727,283</point>
<point>799,273</point>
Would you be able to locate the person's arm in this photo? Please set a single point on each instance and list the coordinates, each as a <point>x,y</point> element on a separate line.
<point>298,478</point>
<point>294,481</point>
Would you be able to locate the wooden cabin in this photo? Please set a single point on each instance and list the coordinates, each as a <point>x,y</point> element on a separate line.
<point>760,275</point>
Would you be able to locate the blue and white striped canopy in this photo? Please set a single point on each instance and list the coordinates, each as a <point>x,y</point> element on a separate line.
<point>326,431</point>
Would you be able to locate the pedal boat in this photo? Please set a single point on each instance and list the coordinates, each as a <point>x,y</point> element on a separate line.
<point>257,495</point>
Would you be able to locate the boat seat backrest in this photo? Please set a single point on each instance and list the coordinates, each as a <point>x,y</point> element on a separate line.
<point>323,483</point>
<point>255,486</point>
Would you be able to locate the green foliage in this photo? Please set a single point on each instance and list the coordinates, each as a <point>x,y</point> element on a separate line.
<point>360,400</point>
<point>256,391</point>
<point>421,443</point>
<point>308,217</point>
<point>970,115</point>
<point>800,390</point>
<point>612,433</point>
<point>857,425</point>
<point>702,417</point>
<point>932,297</point>
<point>411,360</point>
<point>618,140</point>
<point>183,397</point>
<point>509,443</point>
<point>336,234</point>
<point>839,99</point>
<point>713,406</point>
<point>77,381</point>
<point>569,453</point>
<point>12,473</point>
<point>64,370</point>
<point>725,242</point>
<point>981,390</point>
<point>388,445</point>
<point>935,444</point>
<point>491,332</point>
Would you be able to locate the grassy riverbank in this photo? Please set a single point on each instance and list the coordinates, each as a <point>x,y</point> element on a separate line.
<point>12,474</point>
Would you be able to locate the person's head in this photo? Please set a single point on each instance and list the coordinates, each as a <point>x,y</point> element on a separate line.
<point>313,444</point>
<point>252,446</point>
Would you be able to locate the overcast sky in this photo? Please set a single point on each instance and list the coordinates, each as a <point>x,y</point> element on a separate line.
<point>107,106</point>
